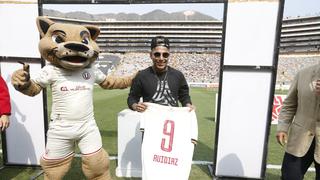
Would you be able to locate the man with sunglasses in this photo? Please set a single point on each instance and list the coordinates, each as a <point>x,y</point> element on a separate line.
<point>161,86</point>
<point>159,83</point>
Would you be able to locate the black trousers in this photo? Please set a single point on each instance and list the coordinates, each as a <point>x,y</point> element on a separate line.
<point>294,168</point>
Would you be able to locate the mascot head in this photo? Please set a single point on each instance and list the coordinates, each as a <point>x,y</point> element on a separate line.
<point>68,46</point>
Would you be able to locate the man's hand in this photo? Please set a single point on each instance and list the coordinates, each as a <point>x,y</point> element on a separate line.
<point>192,107</point>
<point>140,107</point>
<point>282,138</point>
<point>20,79</point>
<point>317,87</point>
<point>4,122</point>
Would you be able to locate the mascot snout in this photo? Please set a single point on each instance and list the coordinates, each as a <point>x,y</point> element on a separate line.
<point>76,47</point>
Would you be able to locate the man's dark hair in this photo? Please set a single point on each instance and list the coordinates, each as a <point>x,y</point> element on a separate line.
<point>160,41</point>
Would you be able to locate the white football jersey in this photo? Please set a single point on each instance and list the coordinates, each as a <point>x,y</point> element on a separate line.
<point>71,91</point>
<point>167,149</point>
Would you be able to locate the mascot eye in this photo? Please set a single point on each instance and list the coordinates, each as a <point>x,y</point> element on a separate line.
<point>85,40</point>
<point>57,39</point>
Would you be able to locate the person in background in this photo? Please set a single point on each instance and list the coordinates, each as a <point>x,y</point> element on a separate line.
<point>5,106</point>
<point>299,125</point>
<point>159,83</point>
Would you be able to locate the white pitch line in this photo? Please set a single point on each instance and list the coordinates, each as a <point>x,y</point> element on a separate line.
<point>202,162</point>
<point>269,166</point>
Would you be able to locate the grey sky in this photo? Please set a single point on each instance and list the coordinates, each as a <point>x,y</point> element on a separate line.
<point>296,8</point>
<point>293,8</point>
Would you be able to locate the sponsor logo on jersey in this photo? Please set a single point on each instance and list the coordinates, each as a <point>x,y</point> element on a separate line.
<point>63,88</point>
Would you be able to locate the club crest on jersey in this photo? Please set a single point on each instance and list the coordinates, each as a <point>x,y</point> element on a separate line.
<point>86,75</point>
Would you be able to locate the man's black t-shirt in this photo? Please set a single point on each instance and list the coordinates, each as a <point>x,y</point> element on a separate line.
<point>166,88</point>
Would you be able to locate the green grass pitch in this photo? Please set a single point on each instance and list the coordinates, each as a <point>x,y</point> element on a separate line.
<point>108,103</point>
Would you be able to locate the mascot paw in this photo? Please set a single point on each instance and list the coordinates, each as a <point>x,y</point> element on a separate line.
<point>20,79</point>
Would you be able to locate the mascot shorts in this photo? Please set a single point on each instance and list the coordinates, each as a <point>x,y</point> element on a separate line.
<point>63,135</point>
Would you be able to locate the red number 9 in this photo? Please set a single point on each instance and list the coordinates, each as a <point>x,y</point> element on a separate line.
<point>168,132</point>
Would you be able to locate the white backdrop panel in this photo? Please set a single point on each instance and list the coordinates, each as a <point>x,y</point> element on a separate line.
<point>129,144</point>
<point>19,31</point>
<point>26,135</point>
<point>243,118</point>
<point>250,33</point>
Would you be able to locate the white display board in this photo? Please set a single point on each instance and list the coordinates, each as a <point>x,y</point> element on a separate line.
<point>19,31</point>
<point>251,36</point>
<point>129,144</point>
<point>250,32</point>
<point>25,138</point>
<point>243,121</point>
<point>276,108</point>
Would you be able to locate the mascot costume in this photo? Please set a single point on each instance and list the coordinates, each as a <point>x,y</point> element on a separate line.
<point>70,50</point>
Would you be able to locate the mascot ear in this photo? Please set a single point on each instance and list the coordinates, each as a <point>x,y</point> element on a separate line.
<point>94,31</point>
<point>43,25</point>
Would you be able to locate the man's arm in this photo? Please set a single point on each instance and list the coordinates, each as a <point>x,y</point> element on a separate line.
<point>183,95</point>
<point>287,112</point>
<point>5,106</point>
<point>289,107</point>
<point>135,93</point>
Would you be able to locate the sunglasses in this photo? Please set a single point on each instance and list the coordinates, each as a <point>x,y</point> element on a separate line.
<point>158,54</point>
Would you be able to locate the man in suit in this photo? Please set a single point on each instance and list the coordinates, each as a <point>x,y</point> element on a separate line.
<point>299,125</point>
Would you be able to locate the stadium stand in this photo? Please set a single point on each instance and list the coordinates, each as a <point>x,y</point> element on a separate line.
<point>300,35</point>
<point>196,46</point>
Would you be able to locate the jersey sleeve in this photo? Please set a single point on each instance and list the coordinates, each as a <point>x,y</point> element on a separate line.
<point>99,75</point>
<point>45,76</point>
